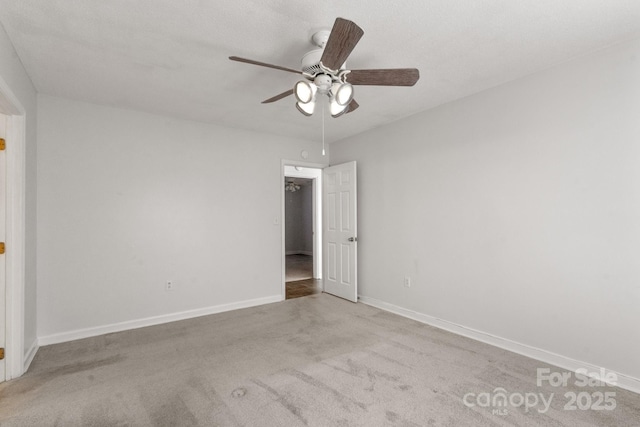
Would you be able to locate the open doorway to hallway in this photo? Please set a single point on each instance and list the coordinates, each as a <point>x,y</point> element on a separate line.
<point>301,241</point>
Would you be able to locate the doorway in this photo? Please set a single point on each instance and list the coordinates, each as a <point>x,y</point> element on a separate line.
<point>335,238</point>
<point>301,226</point>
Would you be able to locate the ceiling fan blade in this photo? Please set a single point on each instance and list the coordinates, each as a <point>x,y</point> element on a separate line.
<point>343,38</point>
<point>263,64</point>
<point>353,105</point>
<point>388,77</point>
<point>278,97</point>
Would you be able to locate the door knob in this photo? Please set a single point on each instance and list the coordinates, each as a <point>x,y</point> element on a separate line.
<point>353,239</point>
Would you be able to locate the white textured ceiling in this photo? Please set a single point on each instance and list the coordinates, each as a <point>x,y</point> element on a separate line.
<point>170,57</point>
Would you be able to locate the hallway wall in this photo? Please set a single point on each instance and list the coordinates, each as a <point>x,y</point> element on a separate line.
<point>299,220</point>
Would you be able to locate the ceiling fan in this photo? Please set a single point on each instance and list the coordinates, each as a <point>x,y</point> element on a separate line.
<point>325,72</point>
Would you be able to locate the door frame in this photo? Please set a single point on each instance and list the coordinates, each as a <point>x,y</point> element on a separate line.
<point>15,363</point>
<point>317,232</point>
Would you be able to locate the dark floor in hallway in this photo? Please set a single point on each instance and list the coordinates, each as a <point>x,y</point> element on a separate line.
<point>303,288</point>
<point>299,277</point>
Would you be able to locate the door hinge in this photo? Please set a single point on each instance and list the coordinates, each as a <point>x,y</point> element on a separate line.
<point>2,144</point>
<point>1,248</point>
<point>1,353</point>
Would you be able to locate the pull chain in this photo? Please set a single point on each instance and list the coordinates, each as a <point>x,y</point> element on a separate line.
<point>323,106</point>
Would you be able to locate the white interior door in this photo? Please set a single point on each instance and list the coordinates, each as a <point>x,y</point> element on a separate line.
<point>3,198</point>
<point>340,242</point>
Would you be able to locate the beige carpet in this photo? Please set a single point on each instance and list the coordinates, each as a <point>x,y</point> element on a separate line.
<point>298,267</point>
<point>317,361</point>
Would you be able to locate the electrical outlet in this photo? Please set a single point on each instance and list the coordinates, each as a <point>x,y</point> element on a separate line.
<point>407,281</point>
<point>169,286</point>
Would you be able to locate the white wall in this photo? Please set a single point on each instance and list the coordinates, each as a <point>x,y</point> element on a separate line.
<point>129,200</point>
<point>15,76</point>
<point>516,211</point>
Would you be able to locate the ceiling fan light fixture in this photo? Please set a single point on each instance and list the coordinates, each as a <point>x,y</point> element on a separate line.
<point>336,109</point>
<point>304,91</point>
<point>344,94</point>
<point>306,108</point>
<point>291,186</point>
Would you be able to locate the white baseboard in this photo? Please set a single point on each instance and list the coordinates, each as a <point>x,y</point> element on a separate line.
<point>150,321</point>
<point>30,354</point>
<point>623,381</point>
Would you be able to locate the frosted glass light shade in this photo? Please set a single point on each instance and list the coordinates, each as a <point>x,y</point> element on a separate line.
<point>304,91</point>
<point>336,109</point>
<point>344,94</point>
<point>307,108</point>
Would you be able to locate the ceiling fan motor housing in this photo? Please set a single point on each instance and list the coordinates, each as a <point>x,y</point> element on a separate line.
<point>311,60</point>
